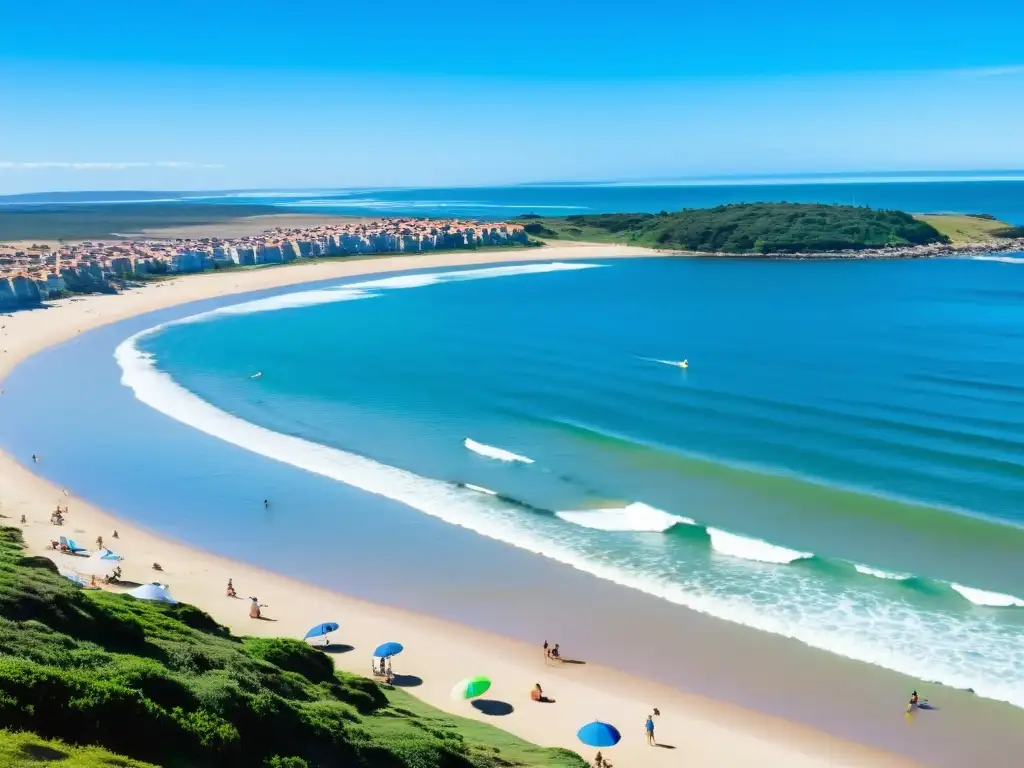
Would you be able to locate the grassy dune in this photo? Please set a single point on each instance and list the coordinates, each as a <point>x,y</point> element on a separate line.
<point>963,228</point>
<point>166,685</point>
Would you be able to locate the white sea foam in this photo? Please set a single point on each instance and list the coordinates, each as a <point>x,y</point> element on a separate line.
<point>368,289</point>
<point>480,489</point>
<point>634,517</point>
<point>878,573</point>
<point>1004,259</point>
<point>491,452</point>
<point>991,599</point>
<point>753,549</point>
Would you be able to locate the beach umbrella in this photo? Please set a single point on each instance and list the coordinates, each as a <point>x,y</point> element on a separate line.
<point>471,687</point>
<point>99,563</point>
<point>153,592</point>
<point>387,650</point>
<point>321,630</point>
<point>598,734</point>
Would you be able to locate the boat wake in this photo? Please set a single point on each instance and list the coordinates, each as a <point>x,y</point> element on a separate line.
<point>492,452</point>
<point>1004,259</point>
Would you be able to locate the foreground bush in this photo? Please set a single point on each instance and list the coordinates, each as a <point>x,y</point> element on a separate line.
<point>169,686</point>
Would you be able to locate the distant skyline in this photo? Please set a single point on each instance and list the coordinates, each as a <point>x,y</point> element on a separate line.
<point>265,95</point>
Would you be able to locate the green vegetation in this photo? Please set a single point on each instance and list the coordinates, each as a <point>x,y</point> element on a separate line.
<point>26,750</point>
<point>749,228</point>
<point>167,685</point>
<point>966,228</point>
<point>106,220</point>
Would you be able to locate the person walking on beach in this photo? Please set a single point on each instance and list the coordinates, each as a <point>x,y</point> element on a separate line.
<point>99,542</point>
<point>649,730</point>
<point>547,651</point>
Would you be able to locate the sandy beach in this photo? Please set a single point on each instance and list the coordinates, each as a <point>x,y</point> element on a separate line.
<point>697,731</point>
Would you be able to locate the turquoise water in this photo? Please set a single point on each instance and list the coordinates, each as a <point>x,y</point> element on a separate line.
<point>841,462</point>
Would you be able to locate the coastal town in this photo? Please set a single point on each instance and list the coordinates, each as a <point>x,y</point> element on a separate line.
<point>33,273</point>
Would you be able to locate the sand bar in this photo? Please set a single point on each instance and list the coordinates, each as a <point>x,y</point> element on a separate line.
<point>704,732</point>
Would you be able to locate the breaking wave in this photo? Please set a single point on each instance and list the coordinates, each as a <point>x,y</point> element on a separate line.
<point>990,599</point>
<point>491,452</point>
<point>636,517</point>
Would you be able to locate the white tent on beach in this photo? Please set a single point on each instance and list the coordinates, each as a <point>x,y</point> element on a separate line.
<point>153,592</point>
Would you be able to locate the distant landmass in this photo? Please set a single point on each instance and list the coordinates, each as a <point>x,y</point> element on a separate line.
<point>749,228</point>
<point>70,221</point>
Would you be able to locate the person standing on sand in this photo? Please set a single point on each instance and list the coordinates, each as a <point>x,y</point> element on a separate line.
<point>649,730</point>
<point>547,652</point>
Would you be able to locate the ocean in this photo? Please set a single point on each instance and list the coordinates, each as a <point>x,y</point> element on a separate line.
<point>998,194</point>
<point>841,462</point>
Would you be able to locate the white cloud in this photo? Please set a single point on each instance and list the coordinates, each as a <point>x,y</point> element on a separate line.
<point>99,166</point>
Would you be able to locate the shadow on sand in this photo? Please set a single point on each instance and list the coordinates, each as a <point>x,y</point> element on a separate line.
<point>493,707</point>
<point>406,681</point>
<point>336,648</point>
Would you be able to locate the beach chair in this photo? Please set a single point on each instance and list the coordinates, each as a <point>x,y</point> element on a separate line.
<point>74,548</point>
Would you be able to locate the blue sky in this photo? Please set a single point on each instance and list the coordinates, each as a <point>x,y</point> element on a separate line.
<point>213,95</point>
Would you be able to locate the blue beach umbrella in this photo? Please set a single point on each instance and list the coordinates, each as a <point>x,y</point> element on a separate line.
<point>321,630</point>
<point>598,734</point>
<point>387,650</point>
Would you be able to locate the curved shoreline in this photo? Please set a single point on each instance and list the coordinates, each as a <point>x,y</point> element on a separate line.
<point>196,576</point>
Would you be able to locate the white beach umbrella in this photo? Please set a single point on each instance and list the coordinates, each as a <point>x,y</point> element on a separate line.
<point>153,592</point>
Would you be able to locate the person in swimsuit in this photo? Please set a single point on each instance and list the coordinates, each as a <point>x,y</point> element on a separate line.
<point>914,701</point>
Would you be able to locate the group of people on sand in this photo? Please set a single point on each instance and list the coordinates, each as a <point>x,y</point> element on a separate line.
<point>56,517</point>
<point>552,652</point>
<point>254,604</point>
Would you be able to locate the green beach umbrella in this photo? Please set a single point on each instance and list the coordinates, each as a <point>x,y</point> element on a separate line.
<point>471,687</point>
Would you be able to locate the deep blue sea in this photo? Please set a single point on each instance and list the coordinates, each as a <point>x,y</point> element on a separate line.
<point>1001,195</point>
<point>841,461</point>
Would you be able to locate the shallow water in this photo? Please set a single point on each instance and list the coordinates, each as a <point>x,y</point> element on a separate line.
<point>841,462</point>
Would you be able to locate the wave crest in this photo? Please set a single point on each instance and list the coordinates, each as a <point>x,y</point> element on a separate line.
<point>493,452</point>
<point>990,599</point>
<point>635,517</point>
<point>746,548</point>
<point>878,573</point>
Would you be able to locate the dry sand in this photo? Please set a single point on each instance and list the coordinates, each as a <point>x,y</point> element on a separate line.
<point>703,732</point>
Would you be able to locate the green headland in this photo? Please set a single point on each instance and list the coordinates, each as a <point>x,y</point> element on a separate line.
<point>91,679</point>
<point>769,228</point>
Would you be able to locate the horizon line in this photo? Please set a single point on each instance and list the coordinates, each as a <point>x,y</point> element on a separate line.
<point>753,179</point>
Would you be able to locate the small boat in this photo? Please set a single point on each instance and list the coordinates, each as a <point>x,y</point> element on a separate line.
<point>256,375</point>
<point>683,364</point>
